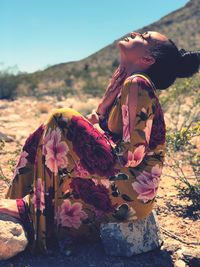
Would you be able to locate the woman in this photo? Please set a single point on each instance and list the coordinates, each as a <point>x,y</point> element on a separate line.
<point>75,172</point>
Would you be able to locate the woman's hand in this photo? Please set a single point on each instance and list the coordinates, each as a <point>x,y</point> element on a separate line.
<point>93,118</point>
<point>9,206</point>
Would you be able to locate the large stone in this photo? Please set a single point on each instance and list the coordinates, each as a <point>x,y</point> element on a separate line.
<point>131,238</point>
<point>12,237</point>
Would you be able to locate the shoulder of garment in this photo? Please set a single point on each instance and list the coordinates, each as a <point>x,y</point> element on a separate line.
<point>138,111</point>
<point>140,81</point>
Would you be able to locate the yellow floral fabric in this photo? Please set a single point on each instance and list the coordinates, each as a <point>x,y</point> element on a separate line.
<point>74,177</point>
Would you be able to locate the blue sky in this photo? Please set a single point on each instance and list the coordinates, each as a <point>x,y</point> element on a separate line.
<point>39,33</point>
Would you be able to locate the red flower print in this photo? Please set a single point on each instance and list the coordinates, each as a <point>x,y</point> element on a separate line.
<point>96,195</point>
<point>21,163</point>
<point>92,147</point>
<point>32,142</point>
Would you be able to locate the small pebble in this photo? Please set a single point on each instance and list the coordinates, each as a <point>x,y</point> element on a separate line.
<point>179,263</point>
<point>180,252</point>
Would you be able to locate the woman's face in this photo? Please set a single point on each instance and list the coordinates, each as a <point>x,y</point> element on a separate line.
<point>136,46</point>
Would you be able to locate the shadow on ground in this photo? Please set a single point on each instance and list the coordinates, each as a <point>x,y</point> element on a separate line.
<point>187,211</point>
<point>91,255</point>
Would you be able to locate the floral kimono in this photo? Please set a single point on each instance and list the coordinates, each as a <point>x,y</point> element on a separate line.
<point>70,177</point>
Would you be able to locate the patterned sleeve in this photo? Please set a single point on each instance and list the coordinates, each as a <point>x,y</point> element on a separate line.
<point>24,214</point>
<point>137,117</point>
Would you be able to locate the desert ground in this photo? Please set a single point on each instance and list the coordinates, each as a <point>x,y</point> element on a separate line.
<point>179,223</point>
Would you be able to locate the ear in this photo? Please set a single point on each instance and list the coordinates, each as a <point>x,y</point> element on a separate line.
<point>148,60</point>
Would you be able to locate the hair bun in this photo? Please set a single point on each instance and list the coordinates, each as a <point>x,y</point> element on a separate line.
<point>188,63</point>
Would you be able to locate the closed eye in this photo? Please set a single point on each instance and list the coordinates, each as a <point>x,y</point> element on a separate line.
<point>133,34</point>
<point>147,36</point>
<point>141,35</point>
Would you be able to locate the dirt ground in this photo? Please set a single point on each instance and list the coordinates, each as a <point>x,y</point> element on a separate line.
<point>179,223</point>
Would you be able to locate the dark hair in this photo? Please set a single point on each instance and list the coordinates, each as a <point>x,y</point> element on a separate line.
<point>171,63</point>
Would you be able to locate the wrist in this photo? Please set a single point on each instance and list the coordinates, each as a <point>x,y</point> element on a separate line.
<point>99,112</point>
<point>100,116</point>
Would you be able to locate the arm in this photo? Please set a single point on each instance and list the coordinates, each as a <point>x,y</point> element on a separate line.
<point>137,118</point>
<point>9,206</point>
<point>93,117</point>
<point>112,90</point>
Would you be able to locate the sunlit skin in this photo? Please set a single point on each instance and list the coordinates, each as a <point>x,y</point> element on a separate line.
<point>9,206</point>
<point>134,56</point>
<point>134,50</point>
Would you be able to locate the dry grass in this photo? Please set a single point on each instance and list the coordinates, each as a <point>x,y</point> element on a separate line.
<point>43,107</point>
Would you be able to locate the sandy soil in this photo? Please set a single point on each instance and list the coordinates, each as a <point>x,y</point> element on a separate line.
<point>179,223</point>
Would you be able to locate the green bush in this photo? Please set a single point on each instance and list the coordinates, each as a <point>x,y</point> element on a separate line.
<point>181,141</point>
<point>180,89</point>
<point>8,85</point>
<point>93,88</point>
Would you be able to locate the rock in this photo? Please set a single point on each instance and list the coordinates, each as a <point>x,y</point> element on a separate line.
<point>179,263</point>
<point>191,257</point>
<point>131,238</point>
<point>172,248</point>
<point>179,252</point>
<point>12,237</point>
<point>6,138</point>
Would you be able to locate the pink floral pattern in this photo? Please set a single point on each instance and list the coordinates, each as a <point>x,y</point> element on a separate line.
<point>126,126</point>
<point>147,130</point>
<point>104,182</point>
<point>55,151</point>
<point>80,171</point>
<point>21,163</point>
<point>38,197</point>
<point>147,183</point>
<point>135,158</point>
<point>70,215</point>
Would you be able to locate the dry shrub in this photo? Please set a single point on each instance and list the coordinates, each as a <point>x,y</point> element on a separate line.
<point>43,107</point>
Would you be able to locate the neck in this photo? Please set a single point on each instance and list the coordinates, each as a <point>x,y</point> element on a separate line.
<point>129,66</point>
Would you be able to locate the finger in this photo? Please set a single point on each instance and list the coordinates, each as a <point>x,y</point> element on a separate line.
<point>116,71</point>
<point>123,74</point>
<point>119,71</point>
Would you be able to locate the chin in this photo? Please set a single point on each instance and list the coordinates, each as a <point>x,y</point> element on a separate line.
<point>121,44</point>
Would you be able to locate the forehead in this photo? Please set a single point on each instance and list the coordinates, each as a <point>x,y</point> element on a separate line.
<point>156,36</point>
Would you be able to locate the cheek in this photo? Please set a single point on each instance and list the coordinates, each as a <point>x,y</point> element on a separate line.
<point>135,46</point>
<point>134,51</point>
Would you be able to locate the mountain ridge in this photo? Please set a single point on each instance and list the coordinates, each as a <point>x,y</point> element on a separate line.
<point>91,74</point>
<point>109,52</point>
